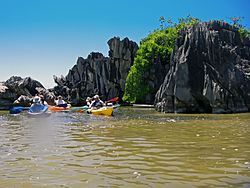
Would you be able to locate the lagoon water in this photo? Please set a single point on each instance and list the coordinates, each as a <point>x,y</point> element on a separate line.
<point>135,148</point>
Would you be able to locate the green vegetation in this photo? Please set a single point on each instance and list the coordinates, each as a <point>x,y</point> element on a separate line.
<point>244,33</point>
<point>155,48</point>
<point>236,21</point>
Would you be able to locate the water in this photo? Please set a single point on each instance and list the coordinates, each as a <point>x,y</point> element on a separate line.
<point>135,148</point>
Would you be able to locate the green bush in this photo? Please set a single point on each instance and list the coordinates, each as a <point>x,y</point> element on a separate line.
<point>244,33</point>
<point>156,48</point>
<point>237,22</point>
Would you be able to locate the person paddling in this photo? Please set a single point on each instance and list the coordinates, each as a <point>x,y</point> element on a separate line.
<point>60,101</point>
<point>36,106</point>
<point>43,101</point>
<point>97,103</point>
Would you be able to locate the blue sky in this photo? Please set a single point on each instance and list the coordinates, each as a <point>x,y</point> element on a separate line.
<point>42,38</point>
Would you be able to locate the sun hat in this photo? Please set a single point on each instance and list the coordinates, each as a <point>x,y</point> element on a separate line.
<point>96,97</point>
<point>36,99</point>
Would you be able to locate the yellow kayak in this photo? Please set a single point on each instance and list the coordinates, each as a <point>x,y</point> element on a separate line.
<point>102,111</point>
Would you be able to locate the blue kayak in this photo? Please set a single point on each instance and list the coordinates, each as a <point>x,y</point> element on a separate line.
<point>38,110</point>
<point>17,109</point>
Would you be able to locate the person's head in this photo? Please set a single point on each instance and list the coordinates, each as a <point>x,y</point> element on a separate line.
<point>88,99</point>
<point>96,97</point>
<point>42,97</point>
<point>60,97</point>
<point>36,99</point>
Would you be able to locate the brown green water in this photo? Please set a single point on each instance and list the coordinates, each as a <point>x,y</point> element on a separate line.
<point>135,148</point>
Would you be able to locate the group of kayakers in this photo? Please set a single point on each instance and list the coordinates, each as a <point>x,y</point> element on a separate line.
<point>94,106</point>
<point>92,102</point>
<point>39,99</point>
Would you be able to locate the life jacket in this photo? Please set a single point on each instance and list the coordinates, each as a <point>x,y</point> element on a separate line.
<point>97,104</point>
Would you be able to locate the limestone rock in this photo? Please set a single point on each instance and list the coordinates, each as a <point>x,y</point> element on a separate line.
<point>6,97</point>
<point>97,74</point>
<point>209,72</point>
<point>17,90</point>
<point>20,86</point>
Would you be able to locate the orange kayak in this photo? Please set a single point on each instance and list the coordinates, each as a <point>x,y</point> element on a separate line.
<point>57,108</point>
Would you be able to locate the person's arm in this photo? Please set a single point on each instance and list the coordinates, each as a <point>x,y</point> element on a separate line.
<point>103,104</point>
<point>92,104</point>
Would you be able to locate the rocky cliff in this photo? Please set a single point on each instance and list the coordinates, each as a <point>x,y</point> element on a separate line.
<point>97,74</point>
<point>21,90</point>
<point>209,72</point>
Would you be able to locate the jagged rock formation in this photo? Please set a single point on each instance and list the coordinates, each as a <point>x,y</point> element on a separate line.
<point>154,77</point>
<point>97,74</point>
<point>6,97</point>
<point>209,72</point>
<point>20,86</point>
<point>19,90</point>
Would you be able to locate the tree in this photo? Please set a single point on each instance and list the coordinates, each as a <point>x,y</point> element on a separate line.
<point>236,21</point>
<point>157,47</point>
<point>162,22</point>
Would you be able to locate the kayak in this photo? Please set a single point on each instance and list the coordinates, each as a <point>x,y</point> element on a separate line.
<point>107,111</point>
<point>58,108</point>
<point>39,108</point>
<point>17,109</point>
<point>79,109</point>
<point>38,111</point>
<point>115,106</point>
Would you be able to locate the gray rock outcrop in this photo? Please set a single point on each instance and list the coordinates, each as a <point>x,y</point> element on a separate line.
<point>209,72</point>
<point>23,86</point>
<point>20,91</point>
<point>97,74</point>
<point>7,97</point>
<point>153,78</point>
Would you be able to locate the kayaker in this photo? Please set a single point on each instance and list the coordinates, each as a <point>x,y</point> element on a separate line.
<point>88,101</point>
<point>36,99</point>
<point>60,101</point>
<point>36,106</point>
<point>97,103</point>
<point>43,100</point>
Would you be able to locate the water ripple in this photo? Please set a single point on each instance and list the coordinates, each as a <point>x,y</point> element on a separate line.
<point>135,148</point>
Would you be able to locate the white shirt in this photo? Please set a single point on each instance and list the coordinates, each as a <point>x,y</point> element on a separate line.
<point>60,101</point>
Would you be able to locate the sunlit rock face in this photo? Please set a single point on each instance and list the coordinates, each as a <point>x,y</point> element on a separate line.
<point>98,74</point>
<point>20,91</point>
<point>209,72</point>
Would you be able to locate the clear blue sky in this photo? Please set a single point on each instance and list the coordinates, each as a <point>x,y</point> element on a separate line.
<point>42,38</point>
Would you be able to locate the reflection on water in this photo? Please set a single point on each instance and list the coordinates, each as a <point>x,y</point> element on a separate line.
<point>135,148</point>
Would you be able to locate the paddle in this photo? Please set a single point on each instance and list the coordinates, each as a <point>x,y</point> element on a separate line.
<point>18,109</point>
<point>113,100</point>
